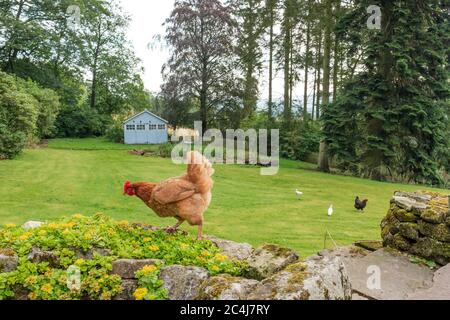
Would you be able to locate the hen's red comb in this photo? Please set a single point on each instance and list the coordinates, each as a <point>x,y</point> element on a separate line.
<point>126,186</point>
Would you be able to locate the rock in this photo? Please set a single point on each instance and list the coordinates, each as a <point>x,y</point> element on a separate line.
<point>420,197</point>
<point>409,204</point>
<point>432,216</point>
<point>369,245</point>
<point>404,216</point>
<point>356,296</point>
<point>183,283</point>
<point>125,268</point>
<point>401,243</point>
<point>398,276</point>
<point>440,289</point>
<point>89,255</point>
<point>234,250</point>
<point>37,255</point>
<point>32,225</point>
<point>316,279</point>
<point>20,293</point>
<point>432,249</point>
<point>8,262</point>
<point>128,288</point>
<point>440,232</point>
<point>268,260</point>
<point>226,287</point>
<point>409,231</point>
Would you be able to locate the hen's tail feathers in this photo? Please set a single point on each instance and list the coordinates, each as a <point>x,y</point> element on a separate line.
<point>200,171</point>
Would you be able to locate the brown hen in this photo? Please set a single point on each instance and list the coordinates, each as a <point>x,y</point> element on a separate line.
<point>185,198</point>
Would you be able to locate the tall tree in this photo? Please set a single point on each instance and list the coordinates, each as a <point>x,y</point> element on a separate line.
<point>199,34</point>
<point>323,153</point>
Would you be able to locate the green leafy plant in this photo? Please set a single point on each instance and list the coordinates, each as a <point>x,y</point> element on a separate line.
<point>71,240</point>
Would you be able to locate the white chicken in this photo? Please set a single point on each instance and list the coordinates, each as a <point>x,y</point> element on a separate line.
<point>330,211</point>
<point>298,193</point>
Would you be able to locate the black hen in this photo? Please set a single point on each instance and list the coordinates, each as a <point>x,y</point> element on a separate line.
<point>360,205</point>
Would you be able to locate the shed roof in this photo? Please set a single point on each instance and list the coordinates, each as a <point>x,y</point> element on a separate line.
<point>145,111</point>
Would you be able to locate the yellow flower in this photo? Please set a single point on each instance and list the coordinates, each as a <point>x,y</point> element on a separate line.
<point>32,296</point>
<point>123,223</point>
<point>149,269</point>
<point>31,280</point>
<point>153,247</point>
<point>53,225</point>
<point>206,254</point>
<point>184,246</point>
<point>79,262</point>
<point>147,239</point>
<point>48,273</point>
<point>105,296</point>
<point>25,236</point>
<point>77,216</point>
<point>66,232</point>
<point>10,225</point>
<point>140,293</point>
<point>42,233</point>
<point>47,288</point>
<point>215,268</point>
<point>220,257</point>
<point>88,236</point>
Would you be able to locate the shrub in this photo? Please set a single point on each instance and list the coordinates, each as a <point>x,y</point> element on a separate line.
<point>81,122</point>
<point>301,142</point>
<point>165,150</point>
<point>18,116</point>
<point>115,133</point>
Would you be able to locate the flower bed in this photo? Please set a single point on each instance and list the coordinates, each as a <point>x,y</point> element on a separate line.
<point>91,245</point>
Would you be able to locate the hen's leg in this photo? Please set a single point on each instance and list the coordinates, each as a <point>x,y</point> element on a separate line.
<point>174,228</point>
<point>200,232</point>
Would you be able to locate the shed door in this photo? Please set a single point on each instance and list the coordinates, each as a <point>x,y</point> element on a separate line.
<point>141,134</point>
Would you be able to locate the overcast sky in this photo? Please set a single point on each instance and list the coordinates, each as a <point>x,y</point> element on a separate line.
<point>147,19</point>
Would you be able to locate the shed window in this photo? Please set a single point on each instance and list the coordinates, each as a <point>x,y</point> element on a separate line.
<point>161,126</point>
<point>152,127</point>
<point>141,127</point>
<point>130,127</point>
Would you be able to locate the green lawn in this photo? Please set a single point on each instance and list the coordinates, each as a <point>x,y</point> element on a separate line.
<point>86,176</point>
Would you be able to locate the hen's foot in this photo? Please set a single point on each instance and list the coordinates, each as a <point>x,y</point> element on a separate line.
<point>171,230</point>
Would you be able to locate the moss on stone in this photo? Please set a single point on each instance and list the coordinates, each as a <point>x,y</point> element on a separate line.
<point>405,216</point>
<point>409,230</point>
<point>7,252</point>
<point>440,232</point>
<point>278,251</point>
<point>401,243</point>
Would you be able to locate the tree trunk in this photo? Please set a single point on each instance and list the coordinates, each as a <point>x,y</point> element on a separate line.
<point>305,97</point>
<point>318,92</point>
<point>323,164</point>
<point>270,106</point>
<point>13,52</point>
<point>287,56</point>
<point>336,55</point>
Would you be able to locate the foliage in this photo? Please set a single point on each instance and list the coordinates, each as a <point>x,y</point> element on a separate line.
<point>389,122</point>
<point>26,111</point>
<point>115,132</point>
<point>81,122</point>
<point>301,141</point>
<point>68,237</point>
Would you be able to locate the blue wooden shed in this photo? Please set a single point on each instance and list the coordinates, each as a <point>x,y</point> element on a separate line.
<point>145,128</point>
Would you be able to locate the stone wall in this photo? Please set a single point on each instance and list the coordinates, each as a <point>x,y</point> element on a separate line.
<point>419,223</point>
